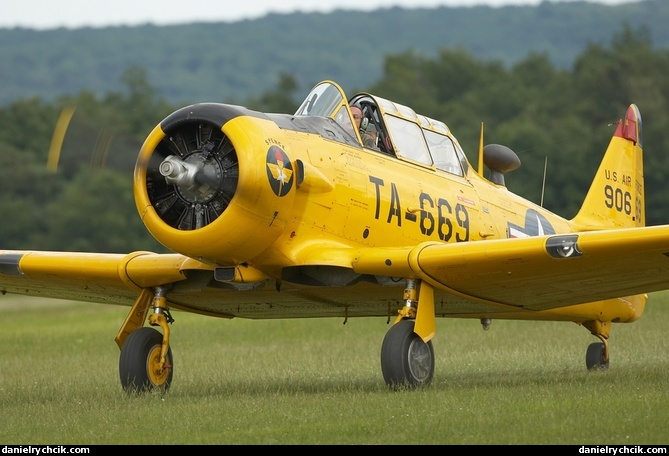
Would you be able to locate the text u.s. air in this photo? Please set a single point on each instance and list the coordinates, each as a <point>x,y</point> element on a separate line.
<point>274,216</point>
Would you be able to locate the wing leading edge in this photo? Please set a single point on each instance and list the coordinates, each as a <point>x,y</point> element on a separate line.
<point>92,277</point>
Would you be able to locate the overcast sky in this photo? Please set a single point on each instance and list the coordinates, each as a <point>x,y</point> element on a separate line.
<point>45,14</point>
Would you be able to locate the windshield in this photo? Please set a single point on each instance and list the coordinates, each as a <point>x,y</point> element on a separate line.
<point>327,99</point>
<point>323,100</point>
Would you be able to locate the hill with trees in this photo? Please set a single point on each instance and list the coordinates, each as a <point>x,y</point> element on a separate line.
<point>232,61</point>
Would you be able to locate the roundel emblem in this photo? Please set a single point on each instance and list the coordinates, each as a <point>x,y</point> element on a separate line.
<point>279,171</point>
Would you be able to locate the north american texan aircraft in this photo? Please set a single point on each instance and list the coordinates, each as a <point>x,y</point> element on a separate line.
<point>272,216</point>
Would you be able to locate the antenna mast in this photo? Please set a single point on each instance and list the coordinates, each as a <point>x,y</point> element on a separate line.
<point>543,184</point>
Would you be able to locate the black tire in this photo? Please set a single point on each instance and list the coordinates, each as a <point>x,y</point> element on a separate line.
<point>594,356</point>
<point>139,362</point>
<point>406,361</point>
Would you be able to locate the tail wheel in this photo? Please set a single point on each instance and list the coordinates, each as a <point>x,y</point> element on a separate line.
<point>595,356</point>
<point>405,359</point>
<point>139,364</point>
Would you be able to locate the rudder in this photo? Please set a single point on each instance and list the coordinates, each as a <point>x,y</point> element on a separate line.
<point>616,196</point>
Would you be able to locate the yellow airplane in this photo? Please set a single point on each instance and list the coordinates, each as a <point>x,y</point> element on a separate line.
<point>289,216</point>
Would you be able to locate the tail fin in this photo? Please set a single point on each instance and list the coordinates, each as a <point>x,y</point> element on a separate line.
<point>616,196</point>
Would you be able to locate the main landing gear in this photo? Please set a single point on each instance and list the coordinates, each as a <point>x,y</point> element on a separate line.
<point>146,362</point>
<point>407,355</point>
<point>146,359</point>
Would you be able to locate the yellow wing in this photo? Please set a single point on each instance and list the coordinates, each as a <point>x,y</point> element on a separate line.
<point>538,273</point>
<point>93,277</point>
<point>523,273</point>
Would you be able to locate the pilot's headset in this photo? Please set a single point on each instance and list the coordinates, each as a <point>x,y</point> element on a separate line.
<point>364,122</point>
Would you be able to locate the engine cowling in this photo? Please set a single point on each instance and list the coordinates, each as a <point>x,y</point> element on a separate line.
<point>209,184</point>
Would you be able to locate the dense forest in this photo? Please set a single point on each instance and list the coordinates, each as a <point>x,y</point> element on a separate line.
<point>556,118</point>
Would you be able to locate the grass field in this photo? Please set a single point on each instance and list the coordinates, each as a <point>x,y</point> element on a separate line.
<point>319,382</point>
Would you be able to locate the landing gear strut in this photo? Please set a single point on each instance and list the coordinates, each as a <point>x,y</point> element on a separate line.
<point>146,362</point>
<point>407,355</point>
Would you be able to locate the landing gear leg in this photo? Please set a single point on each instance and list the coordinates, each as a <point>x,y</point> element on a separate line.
<point>597,354</point>
<point>146,357</point>
<point>407,359</point>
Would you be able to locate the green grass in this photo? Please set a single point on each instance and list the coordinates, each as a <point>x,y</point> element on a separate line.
<point>319,381</point>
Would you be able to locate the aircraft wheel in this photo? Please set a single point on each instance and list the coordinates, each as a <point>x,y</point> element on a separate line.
<point>139,364</point>
<point>405,359</point>
<point>594,356</point>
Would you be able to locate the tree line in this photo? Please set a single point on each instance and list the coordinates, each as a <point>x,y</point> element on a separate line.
<point>556,119</point>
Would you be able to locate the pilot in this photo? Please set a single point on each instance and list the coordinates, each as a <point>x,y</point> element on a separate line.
<point>368,135</point>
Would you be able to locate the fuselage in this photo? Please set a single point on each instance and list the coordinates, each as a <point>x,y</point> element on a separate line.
<point>290,198</point>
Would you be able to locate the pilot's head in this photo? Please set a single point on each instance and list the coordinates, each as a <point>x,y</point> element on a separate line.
<point>357,115</point>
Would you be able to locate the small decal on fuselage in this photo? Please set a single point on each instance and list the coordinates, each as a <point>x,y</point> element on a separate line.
<point>279,171</point>
<point>535,225</point>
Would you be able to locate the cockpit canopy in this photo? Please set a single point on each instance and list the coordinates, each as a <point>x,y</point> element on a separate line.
<point>395,129</point>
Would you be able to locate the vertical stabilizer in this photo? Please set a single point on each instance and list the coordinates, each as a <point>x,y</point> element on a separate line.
<point>616,197</point>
